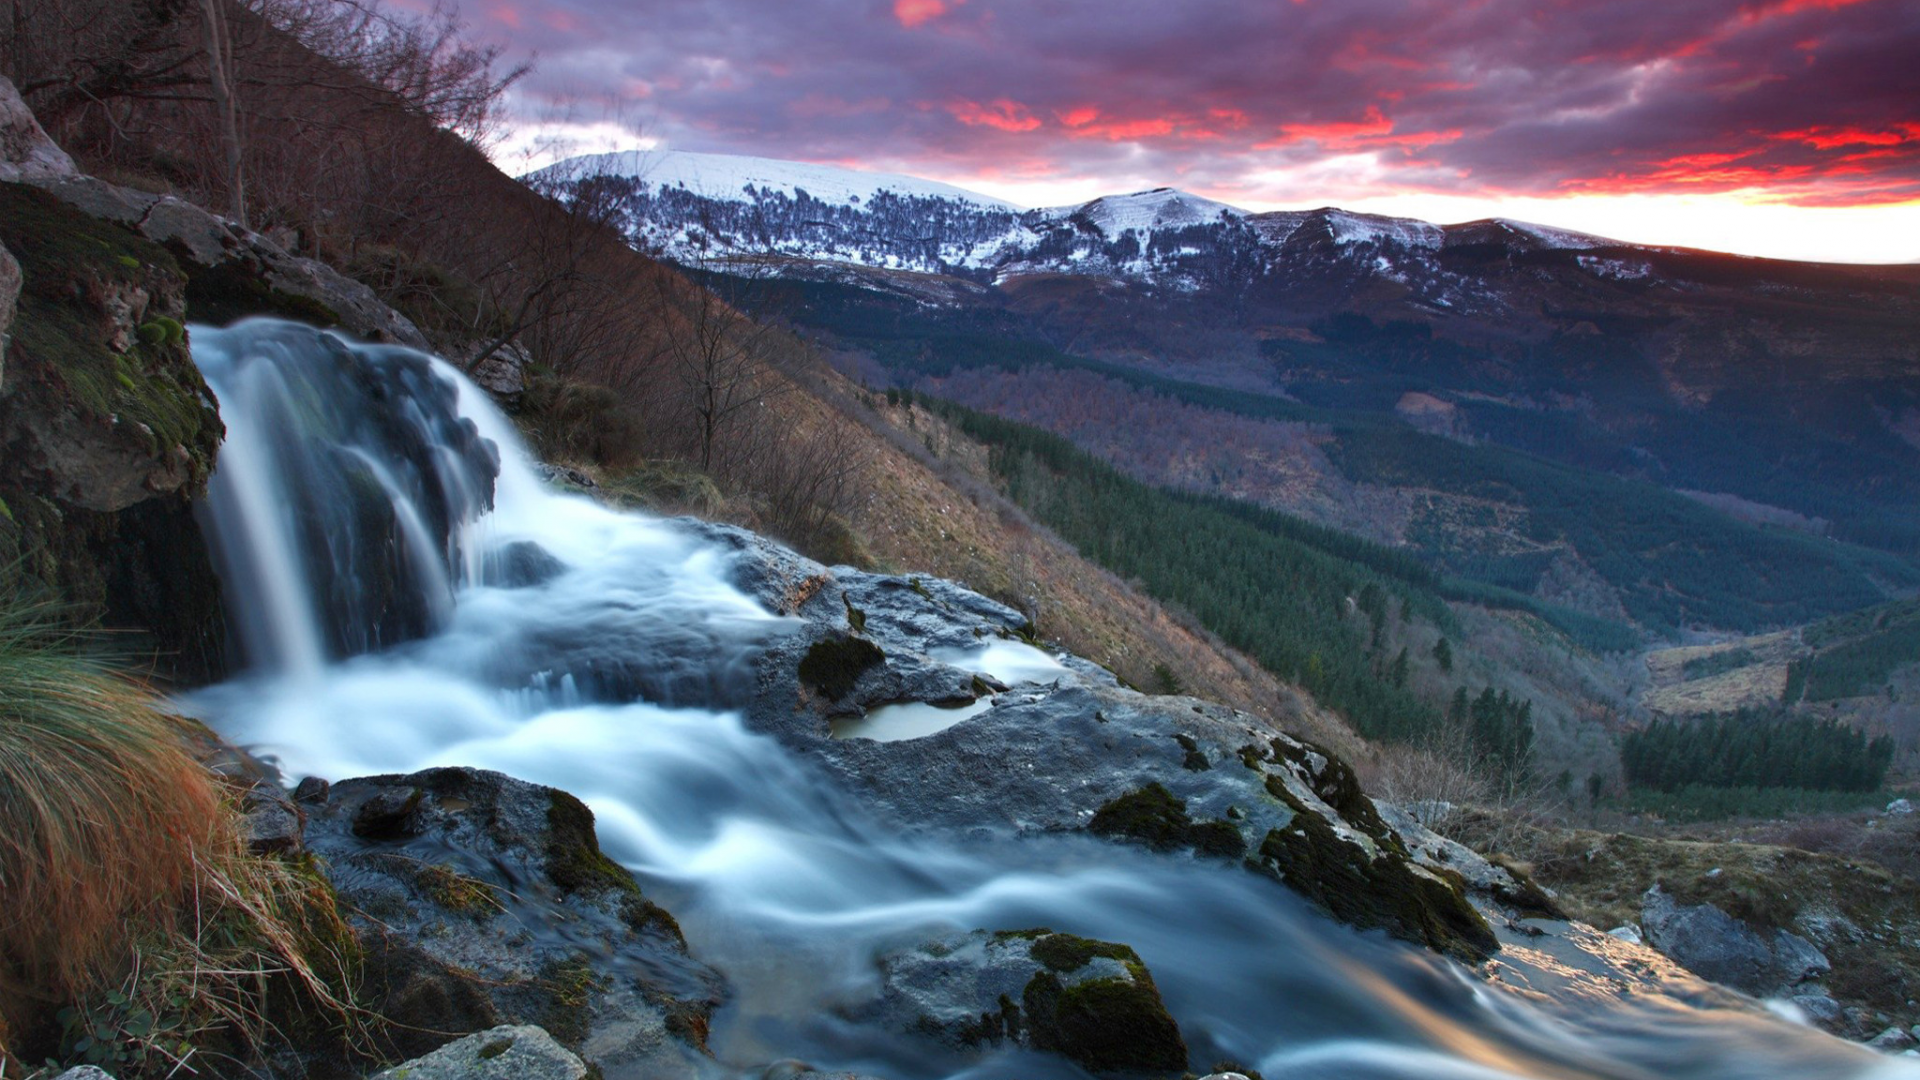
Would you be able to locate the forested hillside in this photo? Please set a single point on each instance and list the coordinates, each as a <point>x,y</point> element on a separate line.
<point>1616,550</point>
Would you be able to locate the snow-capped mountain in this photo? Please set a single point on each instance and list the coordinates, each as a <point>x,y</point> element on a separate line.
<point>691,206</point>
<point>734,176</point>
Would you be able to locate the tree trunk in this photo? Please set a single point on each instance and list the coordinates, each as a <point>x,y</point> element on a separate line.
<point>220,72</point>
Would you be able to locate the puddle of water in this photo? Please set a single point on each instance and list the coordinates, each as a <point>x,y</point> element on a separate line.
<point>907,720</point>
<point>1010,662</point>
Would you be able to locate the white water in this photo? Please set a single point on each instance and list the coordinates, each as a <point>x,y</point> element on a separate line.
<point>610,677</point>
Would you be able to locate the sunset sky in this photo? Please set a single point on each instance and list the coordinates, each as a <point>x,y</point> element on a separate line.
<point>1788,128</point>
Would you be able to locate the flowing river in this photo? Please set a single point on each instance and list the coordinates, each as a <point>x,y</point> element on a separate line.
<point>368,508</point>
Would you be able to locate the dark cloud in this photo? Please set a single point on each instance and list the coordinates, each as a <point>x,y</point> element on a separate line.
<point>1816,100</point>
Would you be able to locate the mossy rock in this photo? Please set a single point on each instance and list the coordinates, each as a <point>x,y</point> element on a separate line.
<point>833,665</point>
<point>1113,1024</point>
<point>574,860</point>
<point>1372,890</point>
<point>97,366</point>
<point>63,357</point>
<point>1154,817</point>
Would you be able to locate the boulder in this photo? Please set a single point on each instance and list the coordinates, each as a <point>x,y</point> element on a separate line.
<point>1053,743</point>
<point>27,155</point>
<point>487,900</point>
<point>1892,1041</point>
<point>508,1052</point>
<point>502,372</point>
<point>1092,1002</point>
<point>1715,945</point>
<point>272,824</point>
<point>1900,806</point>
<point>110,431</point>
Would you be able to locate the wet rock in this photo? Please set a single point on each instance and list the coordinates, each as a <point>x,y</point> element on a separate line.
<point>522,1052</point>
<point>494,904</point>
<point>1821,1009</point>
<point>312,789</point>
<point>27,155</point>
<point>387,814</point>
<point>1092,1002</point>
<point>1717,946</point>
<point>1066,748</point>
<point>522,564</point>
<point>273,826</point>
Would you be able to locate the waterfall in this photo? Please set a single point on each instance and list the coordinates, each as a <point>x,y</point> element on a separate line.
<point>407,593</point>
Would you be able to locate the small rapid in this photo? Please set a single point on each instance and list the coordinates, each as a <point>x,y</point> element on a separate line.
<point>406,592</point>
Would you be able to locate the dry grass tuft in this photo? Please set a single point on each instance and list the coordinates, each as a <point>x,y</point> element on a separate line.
<point>103,815</point>
<point>137,931</point>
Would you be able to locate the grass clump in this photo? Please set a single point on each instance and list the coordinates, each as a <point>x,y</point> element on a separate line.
<point>137,932</point>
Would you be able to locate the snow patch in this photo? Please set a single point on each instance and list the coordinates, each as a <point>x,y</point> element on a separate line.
<point>727,176</point>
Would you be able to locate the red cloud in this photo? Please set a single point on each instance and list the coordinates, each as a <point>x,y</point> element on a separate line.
<point>912,13</point>
<point>1003,113</point>
<point>1122,130</point>
<point>1828,138</point>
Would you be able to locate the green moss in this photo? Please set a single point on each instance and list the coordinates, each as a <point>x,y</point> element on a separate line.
<point>1368,891</point>
<point>1220,839</point>
<point>1066,952</point>
<point>569,986</point>
<point>1337,786</point>
<point>1151,816</point>
<point>833,665</point>
<point>574,860</point>
<point>645,917</point>
<point>457,892</point>
<point>1105,1025</point>
<point>62,359</point>
<point>494,1048</point>
<point>1154,817</point>
<point>1195,761</point>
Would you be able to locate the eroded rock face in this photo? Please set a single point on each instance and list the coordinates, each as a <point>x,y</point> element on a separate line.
<point>1092,1002</point>
<point>471,883</point>
<point>27,155</point>
<point>108,430</point>
<point>1717,946</point>
<point>1063,747</point>
<point>485,899</point>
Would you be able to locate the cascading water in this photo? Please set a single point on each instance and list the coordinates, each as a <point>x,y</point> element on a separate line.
<point>409,594</point>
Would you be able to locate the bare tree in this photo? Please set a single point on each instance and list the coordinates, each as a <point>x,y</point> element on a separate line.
<point>219,39</point>
<point>725,360</point>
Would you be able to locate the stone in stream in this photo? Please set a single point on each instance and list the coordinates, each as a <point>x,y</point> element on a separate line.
<point>484,900</point>
<point>1092,1002</point>
<point>1062,747</point>
<point>507,1052</point>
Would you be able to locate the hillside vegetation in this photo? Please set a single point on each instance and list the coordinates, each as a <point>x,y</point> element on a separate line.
<point>1485,513</point>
